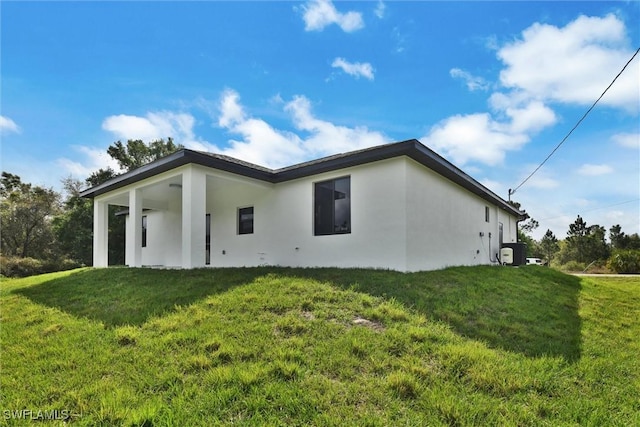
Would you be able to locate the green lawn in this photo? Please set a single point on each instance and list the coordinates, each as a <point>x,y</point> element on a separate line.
<point>277,346</point>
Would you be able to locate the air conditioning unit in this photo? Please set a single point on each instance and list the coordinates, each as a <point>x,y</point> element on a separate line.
<point>519,256</point>
<point>506,256</point>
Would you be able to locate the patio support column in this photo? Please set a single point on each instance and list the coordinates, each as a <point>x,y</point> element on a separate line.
<point>194,198</point>
<point>100,234</point>
<point>133,235</point>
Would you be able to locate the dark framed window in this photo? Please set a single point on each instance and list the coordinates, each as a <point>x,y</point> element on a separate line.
<point>245,220</point>
<point>144,231</point>
<point>332,207</point>
<point>486,214</point>
<point>207,239</point>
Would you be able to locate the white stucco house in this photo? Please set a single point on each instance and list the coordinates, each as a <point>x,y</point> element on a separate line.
<point>399,206</point>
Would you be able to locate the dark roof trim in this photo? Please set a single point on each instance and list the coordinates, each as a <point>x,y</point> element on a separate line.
<point>175,160</point>
<point>410,148</point>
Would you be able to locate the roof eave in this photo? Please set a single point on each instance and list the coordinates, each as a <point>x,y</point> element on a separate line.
<point>412,148</point>
<point>172,161</point>
<point>164,164</point>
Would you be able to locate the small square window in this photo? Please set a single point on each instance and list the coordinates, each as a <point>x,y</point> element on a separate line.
<point>245,220</point>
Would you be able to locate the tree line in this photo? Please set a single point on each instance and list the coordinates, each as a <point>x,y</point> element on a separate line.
<point>585,246</point>
<point>44,230</point>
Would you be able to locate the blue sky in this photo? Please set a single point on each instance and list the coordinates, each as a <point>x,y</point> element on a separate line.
<point>491,86</point>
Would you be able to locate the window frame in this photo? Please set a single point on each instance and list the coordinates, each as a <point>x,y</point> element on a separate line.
<point>487,214</point>
<point>207,239</point>
<point>144,225</point>
<point>322,229</point>
<point>240,229</point>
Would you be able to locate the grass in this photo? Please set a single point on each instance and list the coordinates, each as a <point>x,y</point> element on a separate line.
<point>276,346</point>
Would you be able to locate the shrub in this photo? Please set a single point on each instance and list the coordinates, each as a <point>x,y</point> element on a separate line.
<point>573,266</point>
<point>23,267</point>
<point>19,267</point>
<point>625,261</point>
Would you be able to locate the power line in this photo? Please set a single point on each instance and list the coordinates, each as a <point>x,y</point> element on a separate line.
<point>575,126</point>
<point>595,209</point>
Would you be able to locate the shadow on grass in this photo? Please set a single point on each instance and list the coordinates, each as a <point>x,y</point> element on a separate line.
<point>530,310</point>
<point>129,296</point>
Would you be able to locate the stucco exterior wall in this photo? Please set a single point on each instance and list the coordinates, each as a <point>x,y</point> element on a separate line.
<point>377,220</point>
<point>403,217</point>
<point>225,195</point>
<point>446,224</point>
<point>164,234</point>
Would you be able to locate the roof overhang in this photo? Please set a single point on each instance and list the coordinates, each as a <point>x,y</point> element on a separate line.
<point>413,149</point>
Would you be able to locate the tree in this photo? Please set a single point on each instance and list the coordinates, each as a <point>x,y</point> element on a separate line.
<point>527,227</point>
<point>26,213</point>
<point>100,176</point>
<point>634,242</point>
<point>132,155</point>
<point>586,243</point>
<point>620,240</point>
<point>74,228</point>
<point>136,153</point>
<point>575,239</point>
<point>530,224</point>
<point>597,247</point>
<point>549,245</point>
<point>617,237</point>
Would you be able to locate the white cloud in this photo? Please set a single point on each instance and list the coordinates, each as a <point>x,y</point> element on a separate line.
<point>8,126</point>
<point>547,64</point>
<point>627,140</point>
<point>380,9</point>
<point>574,63</point>
<point>356,69</point>
<point>132,127</point>
<point>542,182</point>
<point>581,202</point>
<point>327,138</point>
<point>473,137</point>
<point>594,170</point>
<point>230,109</point>
<point>530,119</point>
<point>265,145</point>
<point>151,127</point>
<point>480,137</point>
<point>254,140</point>
<point>473,82</point>
<point>614,216</point>
<point>261,143</point>
<point>154,126</point>
<point>495,186</point>
<point>93,159</point>
<point>320,13</point>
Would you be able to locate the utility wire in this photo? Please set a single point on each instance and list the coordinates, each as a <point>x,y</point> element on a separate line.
<point>574,127</point>
<point>595,209</point>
